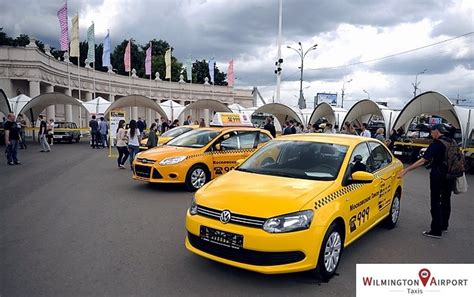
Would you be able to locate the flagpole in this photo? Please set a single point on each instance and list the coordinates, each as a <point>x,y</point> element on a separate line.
<point>130,70</point>
<point>93,72</point>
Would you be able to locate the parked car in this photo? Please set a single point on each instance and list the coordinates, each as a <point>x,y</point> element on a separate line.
<point>66,131</point>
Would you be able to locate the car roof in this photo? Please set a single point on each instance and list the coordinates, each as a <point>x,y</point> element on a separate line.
<point>225,129</point>
<point>343,139</point>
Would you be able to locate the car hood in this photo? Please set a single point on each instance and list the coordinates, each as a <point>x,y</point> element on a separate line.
<point>259,195</point>
<point>165,151</point>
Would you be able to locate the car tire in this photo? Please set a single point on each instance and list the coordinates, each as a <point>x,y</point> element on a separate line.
<point>392,219</point>
<point>77,139</point>
<point>330,252</point>
<point>70,139</point>
<point>197,177</point>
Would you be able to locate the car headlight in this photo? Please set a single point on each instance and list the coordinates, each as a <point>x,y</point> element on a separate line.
<point>173,160</point>
<point>193,209</point>
<point>290,222</point>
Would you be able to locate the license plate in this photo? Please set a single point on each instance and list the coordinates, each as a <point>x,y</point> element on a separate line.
<point>222,238</point>
<point>57,136</point>
<point>398,153</point>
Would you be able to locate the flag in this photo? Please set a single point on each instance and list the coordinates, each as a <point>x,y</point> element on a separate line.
<point>74,50</point>
<point>212,63</point>
<point>148,61</point>
<point>91,44</point>
<point>106,52</point>
<point>230,73</point>
<point>126,58</point>
<point>168,63</point>
<point>189,70</point>
<point>64,38</point>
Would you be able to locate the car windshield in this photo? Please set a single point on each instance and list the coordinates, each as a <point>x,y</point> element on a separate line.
<point>196,138</point>
<point>176,131</point>
<point>297,159</point>
<point>61,125</point>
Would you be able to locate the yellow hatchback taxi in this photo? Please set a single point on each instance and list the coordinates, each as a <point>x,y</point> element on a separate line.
<point>296,203</point>
<point>168,135</point>
<point>200,155</point>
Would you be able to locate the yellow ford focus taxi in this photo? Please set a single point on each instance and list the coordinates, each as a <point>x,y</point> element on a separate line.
<point>200,155</point>
<point>168,135</point>
<point>295,204</point>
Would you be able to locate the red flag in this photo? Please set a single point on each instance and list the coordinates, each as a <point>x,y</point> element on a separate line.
<point>230,73</point>
<point>126,58</point>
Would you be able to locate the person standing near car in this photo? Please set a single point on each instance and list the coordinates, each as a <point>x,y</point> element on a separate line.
<point>43,134</point>
<point>22,126</point>
<point>134,138</point>
<point>365,132</point>
<point>103,128</point>
<point>12,139</point>
<point>270,127</point>
<point>50,129</point>
<point>440,186</point>
<point>122,139</point>
<point>94,127</point>
<point>152,137</point>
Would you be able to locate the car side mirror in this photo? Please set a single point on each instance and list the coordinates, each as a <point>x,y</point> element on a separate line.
<point>218,146</point>
<point>361,177</point>
<point>239,162</point>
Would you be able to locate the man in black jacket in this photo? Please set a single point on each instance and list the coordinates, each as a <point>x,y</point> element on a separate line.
<point>440,186</point>
<point>270,127</point>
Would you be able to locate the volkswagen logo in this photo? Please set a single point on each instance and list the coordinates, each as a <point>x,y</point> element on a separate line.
<point>225,217</point>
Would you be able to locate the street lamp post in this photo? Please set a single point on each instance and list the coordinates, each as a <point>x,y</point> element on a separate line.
<point>368,96</point>
<point>417,83</point>
<point>302,54</point>
<point>343,90</point>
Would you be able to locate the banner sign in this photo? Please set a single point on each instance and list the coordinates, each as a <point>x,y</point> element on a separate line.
<point>329,98</point>
<point>115,117</point>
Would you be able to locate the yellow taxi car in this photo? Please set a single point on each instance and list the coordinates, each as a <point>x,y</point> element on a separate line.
<point>295,204</point>
<point>168,135</point>
<point>199,155</point>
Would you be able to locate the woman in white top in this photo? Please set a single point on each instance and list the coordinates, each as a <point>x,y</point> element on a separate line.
<point>122,139</point>
<point>133,140</point>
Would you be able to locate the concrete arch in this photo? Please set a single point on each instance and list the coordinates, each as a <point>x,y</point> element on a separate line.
<point>212,105</point>
<point>334,115</point>
<point>138,101</point>
<point>37,104</point>
<point>363,111</point>
<point>434,103</point>
<point>281,112</point>
<point>4,103</point>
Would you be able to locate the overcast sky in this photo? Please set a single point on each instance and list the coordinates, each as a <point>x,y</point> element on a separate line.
<point>347,32</point>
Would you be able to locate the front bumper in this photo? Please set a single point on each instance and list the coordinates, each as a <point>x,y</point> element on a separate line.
<point>157,174</point>
<point>261,252</point>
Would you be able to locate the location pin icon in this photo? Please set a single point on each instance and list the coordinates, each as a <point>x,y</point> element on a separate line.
<point>424,275</point>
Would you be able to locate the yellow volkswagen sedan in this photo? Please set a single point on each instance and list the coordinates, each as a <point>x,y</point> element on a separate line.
<point>198,156</point>
<point>296,203</point>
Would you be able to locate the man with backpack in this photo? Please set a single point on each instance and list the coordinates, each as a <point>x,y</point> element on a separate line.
<point>447,165</point>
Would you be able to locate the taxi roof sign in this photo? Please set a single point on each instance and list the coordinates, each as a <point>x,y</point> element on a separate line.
<point>228,119</point>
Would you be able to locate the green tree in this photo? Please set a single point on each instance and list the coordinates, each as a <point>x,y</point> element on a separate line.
<point>201,71</point>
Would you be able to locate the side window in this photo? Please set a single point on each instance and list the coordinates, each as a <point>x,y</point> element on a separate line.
<point>379,155</point>
<point>360,159</point>
<point>248,139</point>
<point>263,138</point>
<point>230,141</point>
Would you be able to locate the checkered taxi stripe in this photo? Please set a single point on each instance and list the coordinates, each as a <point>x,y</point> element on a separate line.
<point>242,151</point>
<point>333,196</point>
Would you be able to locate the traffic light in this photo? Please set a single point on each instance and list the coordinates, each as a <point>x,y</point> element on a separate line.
<point>278,66</point>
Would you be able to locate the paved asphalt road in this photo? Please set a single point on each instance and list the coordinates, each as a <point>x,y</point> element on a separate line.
<point>74,225</point>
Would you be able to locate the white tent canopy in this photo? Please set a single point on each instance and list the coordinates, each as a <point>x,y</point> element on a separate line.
<point>36,105</point>
<point>210,104</point>
<point>333,115</point>
<point>236,108</point>
<point>17,103</point>
<point>4,103</point>
<point>434,103</point>
<point>97,106</point>
<point>138,101</point>
<point>281,112</point>
<point>363,111</point>
<point>172,108</point>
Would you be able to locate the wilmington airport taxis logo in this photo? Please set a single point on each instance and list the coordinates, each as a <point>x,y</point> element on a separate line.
<point>411,279</point>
